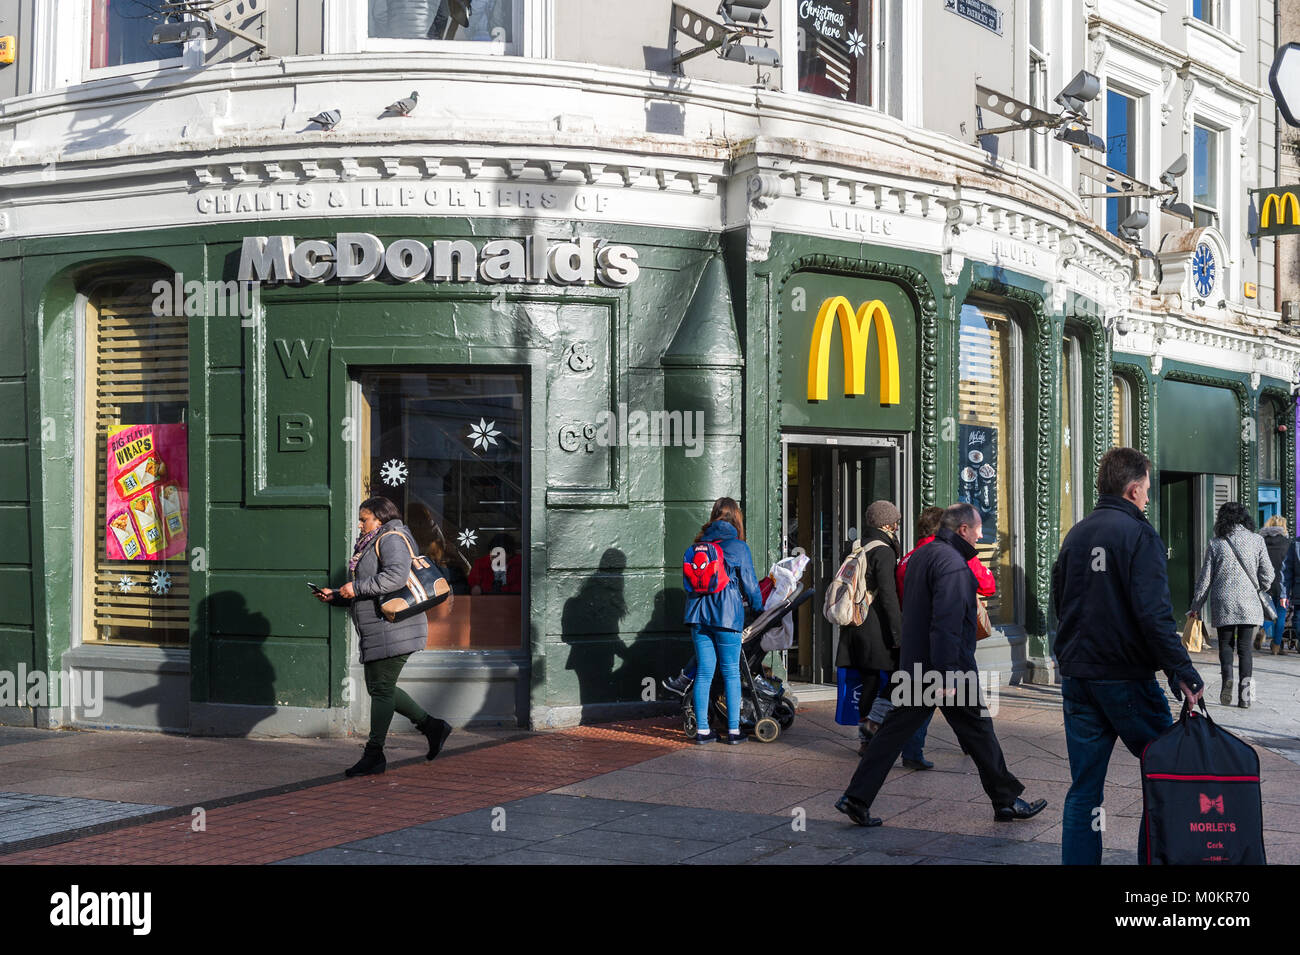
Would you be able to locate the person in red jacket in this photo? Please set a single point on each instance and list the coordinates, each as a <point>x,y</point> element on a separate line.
<point>926,525</point>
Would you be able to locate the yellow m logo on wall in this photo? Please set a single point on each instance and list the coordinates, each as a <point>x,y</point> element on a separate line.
<point>855,335</point>
<point>1277,203</point>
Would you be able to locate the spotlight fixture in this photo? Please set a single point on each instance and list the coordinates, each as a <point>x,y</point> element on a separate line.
<point>1120,186</point>
<point>1071,125</point>
<point>741,20</point>
<point>1133,224</point>
<point>203,16</point>
<point>181,32</point>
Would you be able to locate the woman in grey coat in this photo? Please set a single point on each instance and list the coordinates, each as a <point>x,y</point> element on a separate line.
<point>1236,568</point>
<point>380,564</point>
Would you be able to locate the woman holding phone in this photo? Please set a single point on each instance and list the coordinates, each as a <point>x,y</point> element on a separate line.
<point>380,564</point>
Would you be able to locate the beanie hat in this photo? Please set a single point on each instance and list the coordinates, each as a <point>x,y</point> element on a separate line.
<point>882,514</point>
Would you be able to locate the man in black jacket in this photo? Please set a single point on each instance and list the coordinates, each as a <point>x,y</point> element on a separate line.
<point>938,668</point>
<point>1115,628</point>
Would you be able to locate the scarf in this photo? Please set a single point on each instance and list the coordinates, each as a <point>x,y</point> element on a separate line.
<point>362,543</point>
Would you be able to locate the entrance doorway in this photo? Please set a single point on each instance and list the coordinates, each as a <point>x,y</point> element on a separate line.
<point>1177,527</point>
<point>830,480</point>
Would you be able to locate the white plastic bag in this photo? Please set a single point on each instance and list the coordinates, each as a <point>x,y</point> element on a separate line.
<point>786,578</point>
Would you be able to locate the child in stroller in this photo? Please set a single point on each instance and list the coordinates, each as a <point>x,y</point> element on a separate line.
<point>765,708</point>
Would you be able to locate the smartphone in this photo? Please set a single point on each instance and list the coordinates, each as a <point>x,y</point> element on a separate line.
<point>314,588</point>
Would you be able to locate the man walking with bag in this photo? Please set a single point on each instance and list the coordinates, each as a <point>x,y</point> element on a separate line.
<point>1110,588</point>
<point>939,641</point>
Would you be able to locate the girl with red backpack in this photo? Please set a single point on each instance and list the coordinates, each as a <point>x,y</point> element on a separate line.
<point>718,574</point>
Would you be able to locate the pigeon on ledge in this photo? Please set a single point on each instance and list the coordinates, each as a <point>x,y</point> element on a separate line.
<point>327,119</point>
<point>402,107</point>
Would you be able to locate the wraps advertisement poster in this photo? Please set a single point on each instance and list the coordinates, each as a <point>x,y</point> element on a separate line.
<point>978,474</point>
<point>147,495</point>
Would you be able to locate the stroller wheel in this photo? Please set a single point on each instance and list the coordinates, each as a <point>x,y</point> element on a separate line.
<point>688,720</point>
<point>767,729</point>
<point>784,713</point>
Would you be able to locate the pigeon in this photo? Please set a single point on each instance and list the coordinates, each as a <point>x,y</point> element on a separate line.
<point>327,119</point>
<point>402,107</point>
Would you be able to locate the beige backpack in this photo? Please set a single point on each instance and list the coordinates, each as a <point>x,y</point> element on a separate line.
<point>849,596</point>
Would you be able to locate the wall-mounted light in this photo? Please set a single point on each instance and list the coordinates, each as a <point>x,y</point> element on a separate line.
<point>1071,125</point>
<point>741,20</point>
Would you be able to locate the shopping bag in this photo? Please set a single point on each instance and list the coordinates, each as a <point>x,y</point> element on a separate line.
<point>1200,796</point>
<point>849,682</point>
<point>1194,635</point>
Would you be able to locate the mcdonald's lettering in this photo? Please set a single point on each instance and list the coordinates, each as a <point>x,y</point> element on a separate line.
<point>1277,203</point>
<point>855,335</point>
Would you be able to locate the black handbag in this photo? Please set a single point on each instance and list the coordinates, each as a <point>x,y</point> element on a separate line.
<point>425,586</point>
<point>1265,601</point>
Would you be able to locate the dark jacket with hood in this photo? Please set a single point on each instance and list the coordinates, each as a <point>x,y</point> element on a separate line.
<point>874,644</point>
<point>725,610</point>
<point>1110,588</point>
<point>939,607</point>
<point>1277,543</point>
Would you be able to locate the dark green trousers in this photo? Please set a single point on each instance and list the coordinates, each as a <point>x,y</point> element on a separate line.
<point>386,696</point>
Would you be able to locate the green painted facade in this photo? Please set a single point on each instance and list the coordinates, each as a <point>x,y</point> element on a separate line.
<point>702,328</point>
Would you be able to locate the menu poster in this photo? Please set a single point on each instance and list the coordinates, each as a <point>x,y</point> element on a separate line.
<point>147,495</point>
<point>977,469</point>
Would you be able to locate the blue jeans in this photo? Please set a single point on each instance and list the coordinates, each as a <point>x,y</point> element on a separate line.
<point>1276,627</point>
<point>714,647</point>
<point>1096,713</point>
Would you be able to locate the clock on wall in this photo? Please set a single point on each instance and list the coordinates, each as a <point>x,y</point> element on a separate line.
<point>1204,270</point>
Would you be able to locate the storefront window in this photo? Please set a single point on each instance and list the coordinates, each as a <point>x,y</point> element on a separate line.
<point>1270,442</point>
<point>136,466</point>
<point>479,21</point>
<point>835,49</point>
<point>448,449</point>
<point>987,465</point>
<point>120,31</point>
<point>1121,412</point>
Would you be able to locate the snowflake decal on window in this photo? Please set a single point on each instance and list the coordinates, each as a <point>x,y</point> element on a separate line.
<point>393,473</point>
<point>161,582</point>
<point>1065,436</point>
<point>124,584</point>
<point>857,43</point>
<point>467,538</point>
<point>482,435</point>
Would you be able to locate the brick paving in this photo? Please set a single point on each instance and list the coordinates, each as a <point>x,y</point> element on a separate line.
<point>278,827</point>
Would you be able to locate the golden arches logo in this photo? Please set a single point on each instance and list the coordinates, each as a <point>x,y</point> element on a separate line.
<point>855,335</point>
<point>1278,204</point>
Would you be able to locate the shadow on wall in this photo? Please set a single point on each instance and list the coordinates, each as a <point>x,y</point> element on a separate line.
<point>590,625</point>
<point>227,614</point>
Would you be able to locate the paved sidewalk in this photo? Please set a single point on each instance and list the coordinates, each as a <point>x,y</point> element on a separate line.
<point>630,792</point>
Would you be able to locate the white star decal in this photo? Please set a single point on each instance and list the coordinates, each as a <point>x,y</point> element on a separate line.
<point>482,435</point>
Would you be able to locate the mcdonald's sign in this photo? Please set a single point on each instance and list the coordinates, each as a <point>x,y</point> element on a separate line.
<point>1279,211</point>
<point>855,336</point>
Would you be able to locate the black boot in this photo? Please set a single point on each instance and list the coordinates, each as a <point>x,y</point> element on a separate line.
<point>436,732</point>
<point>372,763</point>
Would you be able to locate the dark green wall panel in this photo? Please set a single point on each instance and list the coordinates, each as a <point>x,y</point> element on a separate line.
<point>266,603</point>
<point>226,466</point>
<point>604,538</point>
<point>226,403</point>
<point>269,671</point>
<point>16,596</point>
<point>16,646</point>
<point>267,538</point>
<point>13,472</point>
<point>15,533</point>
<point>13,399</point>
<point>1200,428</point>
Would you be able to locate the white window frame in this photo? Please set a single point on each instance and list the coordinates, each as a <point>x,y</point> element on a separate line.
<point>1216,149</point>
<point>1037,68</point>
<point>1138,158</point>
<point>61,47</point>
<point>347,30</point>
<point>1216,13</point>
<point>876,44</point>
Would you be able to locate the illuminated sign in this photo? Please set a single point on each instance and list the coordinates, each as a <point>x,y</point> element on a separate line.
<point>855,336</point>
<point>1279,211</point>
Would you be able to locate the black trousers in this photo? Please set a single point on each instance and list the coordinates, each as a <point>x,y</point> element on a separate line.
<point>1244,638</point>
<point>974,732</point>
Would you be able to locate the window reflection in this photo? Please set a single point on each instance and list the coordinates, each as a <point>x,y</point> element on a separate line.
<point>484,21</point>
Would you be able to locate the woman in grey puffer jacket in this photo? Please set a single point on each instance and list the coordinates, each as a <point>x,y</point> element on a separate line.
<point>380,564</point>
<point>1236,568</point>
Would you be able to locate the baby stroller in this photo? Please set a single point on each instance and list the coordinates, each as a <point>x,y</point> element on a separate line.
<point>1290,639</point>
<point>765,709</point>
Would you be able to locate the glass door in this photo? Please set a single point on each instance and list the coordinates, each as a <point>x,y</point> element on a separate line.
<point>830,481</point>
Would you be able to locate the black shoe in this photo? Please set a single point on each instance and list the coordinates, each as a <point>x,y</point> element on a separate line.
<point>702,738</point>
<point>921,763</point>
<point>1019,810</point>
<point>372,763</point>
<point>678,684</point>
<point>436,732</point>
<point>732,739</point>
<point>858,812</point>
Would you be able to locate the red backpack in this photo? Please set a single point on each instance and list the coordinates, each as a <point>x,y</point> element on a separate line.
<point>705,569</point>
